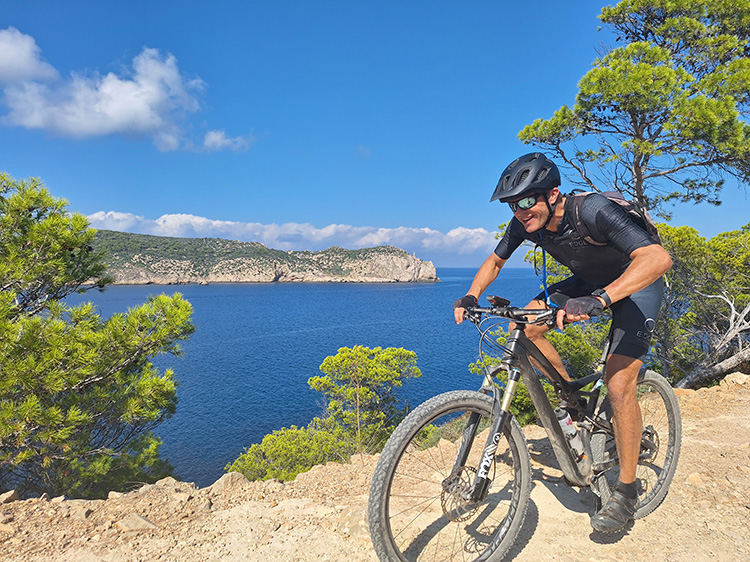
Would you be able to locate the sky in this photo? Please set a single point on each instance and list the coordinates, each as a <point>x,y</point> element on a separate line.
<point>299,124</point>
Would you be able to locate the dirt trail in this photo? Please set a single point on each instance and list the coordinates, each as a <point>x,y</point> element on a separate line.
<point>320,516</point>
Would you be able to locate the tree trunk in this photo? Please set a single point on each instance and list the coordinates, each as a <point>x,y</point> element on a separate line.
<point>703,374</point>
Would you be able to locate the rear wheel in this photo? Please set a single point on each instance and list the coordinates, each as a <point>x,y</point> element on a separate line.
<point>660,445</point>
<point>418,508</point>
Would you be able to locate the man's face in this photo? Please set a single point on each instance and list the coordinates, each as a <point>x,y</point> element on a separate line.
<point>532,211</point>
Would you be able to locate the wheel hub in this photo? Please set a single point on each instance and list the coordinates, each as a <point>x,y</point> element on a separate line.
<point>649,445</point>
<point>454,498</point>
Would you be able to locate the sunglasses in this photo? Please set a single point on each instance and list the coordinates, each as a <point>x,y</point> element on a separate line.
<point>525,203</point>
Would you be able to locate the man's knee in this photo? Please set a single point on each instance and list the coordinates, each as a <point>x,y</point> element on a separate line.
<point>622,377</point>
<point>534,331</point>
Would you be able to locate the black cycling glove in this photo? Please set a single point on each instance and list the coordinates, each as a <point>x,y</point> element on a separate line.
<point>469,301</point>
<point>588,305</point>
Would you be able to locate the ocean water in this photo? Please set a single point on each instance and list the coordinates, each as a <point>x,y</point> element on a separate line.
<point>244,372</point>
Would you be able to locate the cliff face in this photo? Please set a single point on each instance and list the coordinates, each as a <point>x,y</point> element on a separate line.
<point>141,259</point>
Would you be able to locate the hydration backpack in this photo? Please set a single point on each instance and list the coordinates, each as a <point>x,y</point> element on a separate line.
<point>637,214</point>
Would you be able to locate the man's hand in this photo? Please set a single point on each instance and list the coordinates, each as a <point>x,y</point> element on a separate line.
<point>581,308</point>
<point>460,306</point>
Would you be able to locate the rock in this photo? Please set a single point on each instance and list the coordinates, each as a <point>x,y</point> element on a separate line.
<point>353,522</point>
<point>135,523</point>
<point>695,479</point>
<point>182,497</point>
<point>76,503</point>
<point>167,482</point>
<point>709,389</point>
<point>255,263</point>
<point>114,495</point>
<point>8,497</point>
<point>734,380</point>
<point>229,481</point>
<point>684,391</point>
<point>203,505</point>
<point>82,512</point>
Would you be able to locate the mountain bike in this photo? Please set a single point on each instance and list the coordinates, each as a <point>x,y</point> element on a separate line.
<point>454,480</point>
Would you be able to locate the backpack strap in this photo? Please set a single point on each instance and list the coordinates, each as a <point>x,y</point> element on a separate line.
<point>580,226</point>
<point>635,212</point>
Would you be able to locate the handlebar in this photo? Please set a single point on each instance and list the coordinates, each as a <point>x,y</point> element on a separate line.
<point>500,308</point>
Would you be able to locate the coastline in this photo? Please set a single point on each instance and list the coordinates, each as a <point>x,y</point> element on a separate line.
<point>137,259</point>
<point>309,282</point>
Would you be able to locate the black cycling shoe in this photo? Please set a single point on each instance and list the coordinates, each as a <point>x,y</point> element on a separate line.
<point>616,514</point>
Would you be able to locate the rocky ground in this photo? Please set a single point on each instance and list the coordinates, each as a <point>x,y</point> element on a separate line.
<point>320,516</point>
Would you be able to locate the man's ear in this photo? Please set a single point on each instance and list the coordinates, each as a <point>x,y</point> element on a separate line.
<point>553,195</point>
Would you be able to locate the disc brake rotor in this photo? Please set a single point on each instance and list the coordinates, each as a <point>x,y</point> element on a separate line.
<point>453,497</point>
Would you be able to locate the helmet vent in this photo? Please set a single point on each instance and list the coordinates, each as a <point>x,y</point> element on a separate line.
<point>522,176</point>
<point>542,174</point>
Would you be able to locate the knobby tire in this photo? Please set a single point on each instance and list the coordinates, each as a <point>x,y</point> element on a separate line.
<point>416,514</point>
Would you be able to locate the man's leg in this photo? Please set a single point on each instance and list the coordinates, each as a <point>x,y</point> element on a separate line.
<point>536,334</point>
<point>622,379</point>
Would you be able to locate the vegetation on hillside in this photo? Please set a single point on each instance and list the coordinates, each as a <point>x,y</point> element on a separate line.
<point>79,395</point>
<point>204,253</point>
<point>200,257</point>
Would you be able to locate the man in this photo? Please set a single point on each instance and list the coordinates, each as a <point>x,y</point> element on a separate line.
<point>624,274</point>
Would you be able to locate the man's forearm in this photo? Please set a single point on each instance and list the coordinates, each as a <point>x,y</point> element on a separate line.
<point>486,275</point>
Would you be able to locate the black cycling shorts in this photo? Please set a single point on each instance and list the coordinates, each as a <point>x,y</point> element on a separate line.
<point>633,318</point>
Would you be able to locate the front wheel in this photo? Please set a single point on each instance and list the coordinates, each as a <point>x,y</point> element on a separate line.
<point>660,445</point>
<point>418,507</point>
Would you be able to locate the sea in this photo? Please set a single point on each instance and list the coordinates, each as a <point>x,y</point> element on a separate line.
<point>244,372</point>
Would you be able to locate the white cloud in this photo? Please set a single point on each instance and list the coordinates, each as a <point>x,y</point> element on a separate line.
<point>20,58</point>
<point>304,236</point>
<point>218,140</point>
<point>150,98</point>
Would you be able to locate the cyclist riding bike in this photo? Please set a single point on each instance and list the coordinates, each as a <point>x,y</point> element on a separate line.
<point>623,274</point>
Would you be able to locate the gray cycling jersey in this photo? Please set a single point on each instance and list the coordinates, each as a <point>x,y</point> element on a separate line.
<point>597,265</point>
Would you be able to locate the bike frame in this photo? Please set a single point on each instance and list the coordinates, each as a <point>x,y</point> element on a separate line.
<point>517,361</point>
<point>520,350</point>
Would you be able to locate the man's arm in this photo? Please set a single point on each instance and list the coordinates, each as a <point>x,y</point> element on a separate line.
<point>647,265</point>
<point>485,276</point>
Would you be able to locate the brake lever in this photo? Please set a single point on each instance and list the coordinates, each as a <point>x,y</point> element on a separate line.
<point>551,322</point>
<point>471,315</point>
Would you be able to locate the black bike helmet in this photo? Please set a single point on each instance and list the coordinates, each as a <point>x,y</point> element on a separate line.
<point>531,173</point>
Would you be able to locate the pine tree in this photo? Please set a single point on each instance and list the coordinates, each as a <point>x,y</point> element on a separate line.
<point>79,395</point>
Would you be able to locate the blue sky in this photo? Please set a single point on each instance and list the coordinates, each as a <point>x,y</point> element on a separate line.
<point>298,124</point>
